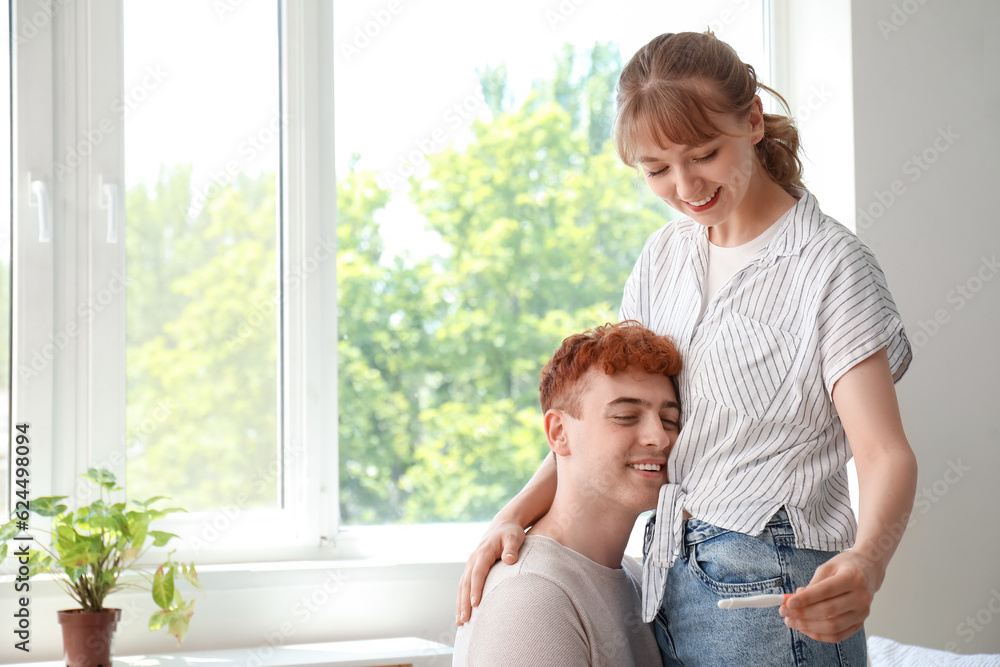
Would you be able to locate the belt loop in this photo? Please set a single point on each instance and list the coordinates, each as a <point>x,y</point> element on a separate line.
<point>647,538</point>
<point>684,541</point>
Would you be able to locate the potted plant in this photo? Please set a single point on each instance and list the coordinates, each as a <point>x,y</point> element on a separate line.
<point>91,548</point>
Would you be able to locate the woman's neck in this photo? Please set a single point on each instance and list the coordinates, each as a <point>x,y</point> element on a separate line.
<point>763,204</point>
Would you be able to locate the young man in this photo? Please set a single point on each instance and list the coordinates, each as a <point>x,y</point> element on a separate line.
<point>573,597</point>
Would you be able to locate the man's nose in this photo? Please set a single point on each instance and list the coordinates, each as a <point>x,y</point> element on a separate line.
<point>654,434</point>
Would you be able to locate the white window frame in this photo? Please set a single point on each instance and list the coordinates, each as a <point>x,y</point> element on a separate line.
<point>76,403</point>
<point>75,400</point>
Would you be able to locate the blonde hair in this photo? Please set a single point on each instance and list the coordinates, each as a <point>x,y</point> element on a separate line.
<point>668,88</point>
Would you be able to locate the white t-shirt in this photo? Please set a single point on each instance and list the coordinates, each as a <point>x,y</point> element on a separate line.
<point>557,607</point>
<point>724,263</point>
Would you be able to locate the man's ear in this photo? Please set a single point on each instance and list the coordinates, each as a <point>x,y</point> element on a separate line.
<point>556,431</point>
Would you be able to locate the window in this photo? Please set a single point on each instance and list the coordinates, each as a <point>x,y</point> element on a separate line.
<point>201,205</point>
<point>482,217</point>
<point>186,264</point>
<point>187,279</point>
<point>5,273</point>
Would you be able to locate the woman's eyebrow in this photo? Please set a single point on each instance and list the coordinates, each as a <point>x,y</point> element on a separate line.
<point>684,150</point>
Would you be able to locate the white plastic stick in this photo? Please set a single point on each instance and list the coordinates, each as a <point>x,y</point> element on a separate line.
<point>755,601</point>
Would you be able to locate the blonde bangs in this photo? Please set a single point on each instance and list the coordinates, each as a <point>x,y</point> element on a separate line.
<point>665,113</point>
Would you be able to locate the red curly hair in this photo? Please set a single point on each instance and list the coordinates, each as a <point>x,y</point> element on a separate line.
<point>612,348</point>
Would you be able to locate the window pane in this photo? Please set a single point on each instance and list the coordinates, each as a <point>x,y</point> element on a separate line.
<point>202,135</point>
<point>482,217</point>
<point>5,252</point>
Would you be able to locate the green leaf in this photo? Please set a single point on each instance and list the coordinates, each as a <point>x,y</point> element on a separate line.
<point>66,537</point>
<point>150,501</point>
<point>48,505</point>
<point>180,620</point>
<point>191,575</point>
<point>163,587</point>
<point>102,477</point>
<point>7,532</point>
<point>138,526</point>
<point>40,562</point>
<point>161,538</point>
<point>120,524</point>
<point>159,619</point>
<point>77,555</point>
<point>159,514</point>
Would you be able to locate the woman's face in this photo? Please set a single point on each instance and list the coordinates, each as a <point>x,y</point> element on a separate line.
<point>709,183</point>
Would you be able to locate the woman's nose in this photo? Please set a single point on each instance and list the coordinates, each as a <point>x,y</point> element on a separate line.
<point>688,184</point>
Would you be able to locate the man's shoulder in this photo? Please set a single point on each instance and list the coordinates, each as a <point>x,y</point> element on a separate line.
<point>527,615</point>
<point>541,560</point>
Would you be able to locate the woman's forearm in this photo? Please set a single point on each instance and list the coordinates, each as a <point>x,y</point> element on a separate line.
<point>886,487</point>
<point>887,468</point>
<point>534,500</point>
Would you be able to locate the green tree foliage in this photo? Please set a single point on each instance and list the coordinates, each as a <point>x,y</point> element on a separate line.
<point>439,350</point>
<point>540,225</point>
<point>202,353</point>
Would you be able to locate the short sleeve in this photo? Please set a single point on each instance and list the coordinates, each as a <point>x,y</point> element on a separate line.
<point>527,620</point>
<point>858,316</point>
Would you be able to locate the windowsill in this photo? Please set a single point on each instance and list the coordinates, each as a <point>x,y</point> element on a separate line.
<point>358,548</point>
<point>363,653</point>
<point>375,582</point>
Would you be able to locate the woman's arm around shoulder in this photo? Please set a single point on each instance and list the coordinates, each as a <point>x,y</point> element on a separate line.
<point>505,536</point>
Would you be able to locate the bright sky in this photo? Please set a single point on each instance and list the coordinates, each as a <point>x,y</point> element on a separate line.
<point>201,78</point>
<point>405,70</point>
<point>400,74</point>
<point>201,87</point>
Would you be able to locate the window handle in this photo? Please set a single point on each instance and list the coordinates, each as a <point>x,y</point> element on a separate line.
<point>109,192</point>
<point>40,199</point>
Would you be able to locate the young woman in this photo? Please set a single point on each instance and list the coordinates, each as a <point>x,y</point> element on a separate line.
<point>791,345</point>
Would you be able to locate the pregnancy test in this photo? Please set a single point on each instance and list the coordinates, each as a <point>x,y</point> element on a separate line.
<point>755,601</point>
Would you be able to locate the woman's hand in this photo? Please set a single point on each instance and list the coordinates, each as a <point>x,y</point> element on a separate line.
<point>837,600</point>
<point>502,539</point>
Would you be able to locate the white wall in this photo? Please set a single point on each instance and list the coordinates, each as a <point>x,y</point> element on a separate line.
<point>923,87</point>
<point>812,50</point>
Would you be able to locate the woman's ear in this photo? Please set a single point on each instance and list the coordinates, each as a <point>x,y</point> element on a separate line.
<point>556,431</point>
<point>756,118</point>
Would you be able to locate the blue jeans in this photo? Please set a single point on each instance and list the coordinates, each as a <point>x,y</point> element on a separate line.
<point>717,563</point>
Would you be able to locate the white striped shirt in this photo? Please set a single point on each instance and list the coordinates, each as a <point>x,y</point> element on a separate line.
<point>760,430</point>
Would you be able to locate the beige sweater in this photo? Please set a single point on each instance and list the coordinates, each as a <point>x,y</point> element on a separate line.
<point>557,607</point>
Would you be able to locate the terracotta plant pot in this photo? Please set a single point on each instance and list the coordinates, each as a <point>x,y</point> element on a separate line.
<point>88,637</point>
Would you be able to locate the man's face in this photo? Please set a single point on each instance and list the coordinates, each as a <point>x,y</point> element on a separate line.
<point>619,444</point>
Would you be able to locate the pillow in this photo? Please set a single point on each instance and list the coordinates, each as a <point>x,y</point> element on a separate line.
<point>884,652</point>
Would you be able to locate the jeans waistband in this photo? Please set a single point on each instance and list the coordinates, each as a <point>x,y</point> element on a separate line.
<point>696,530</point>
